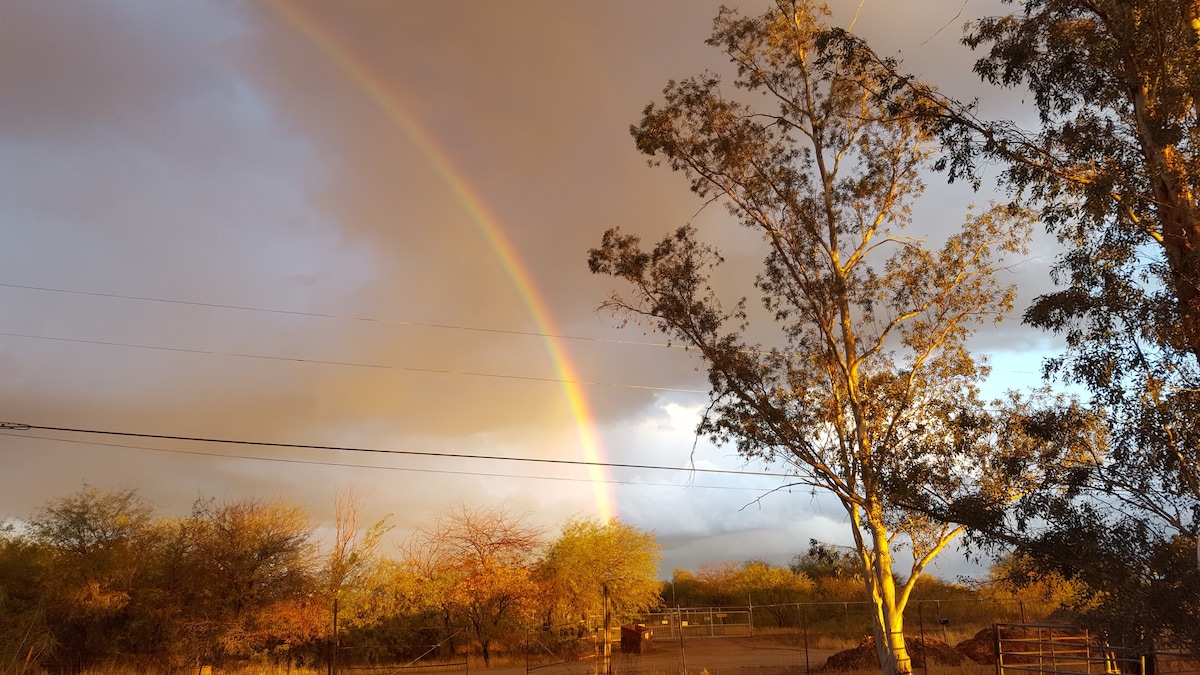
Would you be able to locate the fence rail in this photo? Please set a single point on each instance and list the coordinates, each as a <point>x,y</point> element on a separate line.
<point>1069,650</point>
<point>694,623</point>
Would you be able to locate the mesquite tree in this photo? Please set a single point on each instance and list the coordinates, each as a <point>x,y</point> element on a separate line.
<point>868,391</point>
<point>475,569</point>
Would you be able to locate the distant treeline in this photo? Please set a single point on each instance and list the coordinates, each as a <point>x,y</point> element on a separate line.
<point>99,578</point>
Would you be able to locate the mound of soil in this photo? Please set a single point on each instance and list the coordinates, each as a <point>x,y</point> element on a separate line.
<point>981,648</point>
<point>864,657</point>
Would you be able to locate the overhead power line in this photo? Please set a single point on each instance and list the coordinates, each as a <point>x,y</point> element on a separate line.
<point>351,364</point>
<point>317,462</point>
<point>363,319</point>
<point>16,426</point>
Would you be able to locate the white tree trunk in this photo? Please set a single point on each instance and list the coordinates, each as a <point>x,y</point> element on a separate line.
<point>888,617</point>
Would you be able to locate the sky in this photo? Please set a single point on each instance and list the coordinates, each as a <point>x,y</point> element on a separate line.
<point>365,225</point>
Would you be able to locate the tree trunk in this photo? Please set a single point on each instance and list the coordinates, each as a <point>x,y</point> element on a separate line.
<point>888,618</point>
<point>1177,215</point>
<point>893,652</point>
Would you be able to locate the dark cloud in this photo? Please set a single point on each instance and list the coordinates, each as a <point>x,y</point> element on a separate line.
<point>219,154</point>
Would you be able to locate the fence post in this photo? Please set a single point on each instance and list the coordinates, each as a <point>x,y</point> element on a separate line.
<point>924,646</point>
<point>682,656</point>
<point>804,632</point>
<point>943,621</point>
<point>996,628</point>
<point>607,638</point>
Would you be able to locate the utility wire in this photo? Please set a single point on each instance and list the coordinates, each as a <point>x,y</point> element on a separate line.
<point>316,462</point>
<point>351,364</point>
<point>377,366</point>
<point>395,322</point>
<point>952,20</point>
<point>363,319</point>
<point>15,426</point>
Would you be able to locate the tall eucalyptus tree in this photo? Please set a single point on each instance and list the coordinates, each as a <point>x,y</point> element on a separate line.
<point>867,390</point>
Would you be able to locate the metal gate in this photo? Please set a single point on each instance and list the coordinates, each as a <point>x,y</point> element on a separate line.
<point>1055,648</point>
<point>698,622</point>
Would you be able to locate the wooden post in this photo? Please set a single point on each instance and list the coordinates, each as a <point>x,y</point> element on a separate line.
<point>924,647</point>
<point>750,611</point>
<point>607,643</point>
<point>804,632</point>
<point>682,656</point>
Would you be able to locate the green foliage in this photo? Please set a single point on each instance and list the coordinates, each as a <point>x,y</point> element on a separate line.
<point>589,557</point>
<point>354,576</point>
<point>1017,577</point>
<point>753,582</point>
<point>1123,127</point>
<point>835,605</point>
<point>1116,174</point>
<point>1115,166</point>
<point>240,582</point>
<point>825,561</point>
<point>771,588</point>
<point>1114,171</point>
<point>24,631</point>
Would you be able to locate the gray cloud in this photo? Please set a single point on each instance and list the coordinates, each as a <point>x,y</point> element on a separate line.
<point>214,153</point>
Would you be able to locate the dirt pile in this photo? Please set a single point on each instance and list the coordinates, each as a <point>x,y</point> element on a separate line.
<point>981,648</point>
<point>864,657</point>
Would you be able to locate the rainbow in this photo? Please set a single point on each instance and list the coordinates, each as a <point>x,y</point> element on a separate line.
<point>377,88</point>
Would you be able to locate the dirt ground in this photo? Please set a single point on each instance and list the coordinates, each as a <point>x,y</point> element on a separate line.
<point>759,655</point>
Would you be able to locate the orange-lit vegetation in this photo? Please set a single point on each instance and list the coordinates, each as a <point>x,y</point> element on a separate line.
<point>97,580</point>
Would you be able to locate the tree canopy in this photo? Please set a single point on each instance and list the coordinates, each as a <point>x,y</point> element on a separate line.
<point>590,558</point>
<point>478,562</point>
<point>867,389</point>
<point>1117,174</point>
<point>1114,171</point>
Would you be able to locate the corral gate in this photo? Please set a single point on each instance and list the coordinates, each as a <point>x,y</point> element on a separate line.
<point>1023,648</point>
<point>698,622</point>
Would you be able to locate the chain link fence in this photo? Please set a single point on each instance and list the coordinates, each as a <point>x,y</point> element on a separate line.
<point>790,636</point>
<point>946,637</point>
